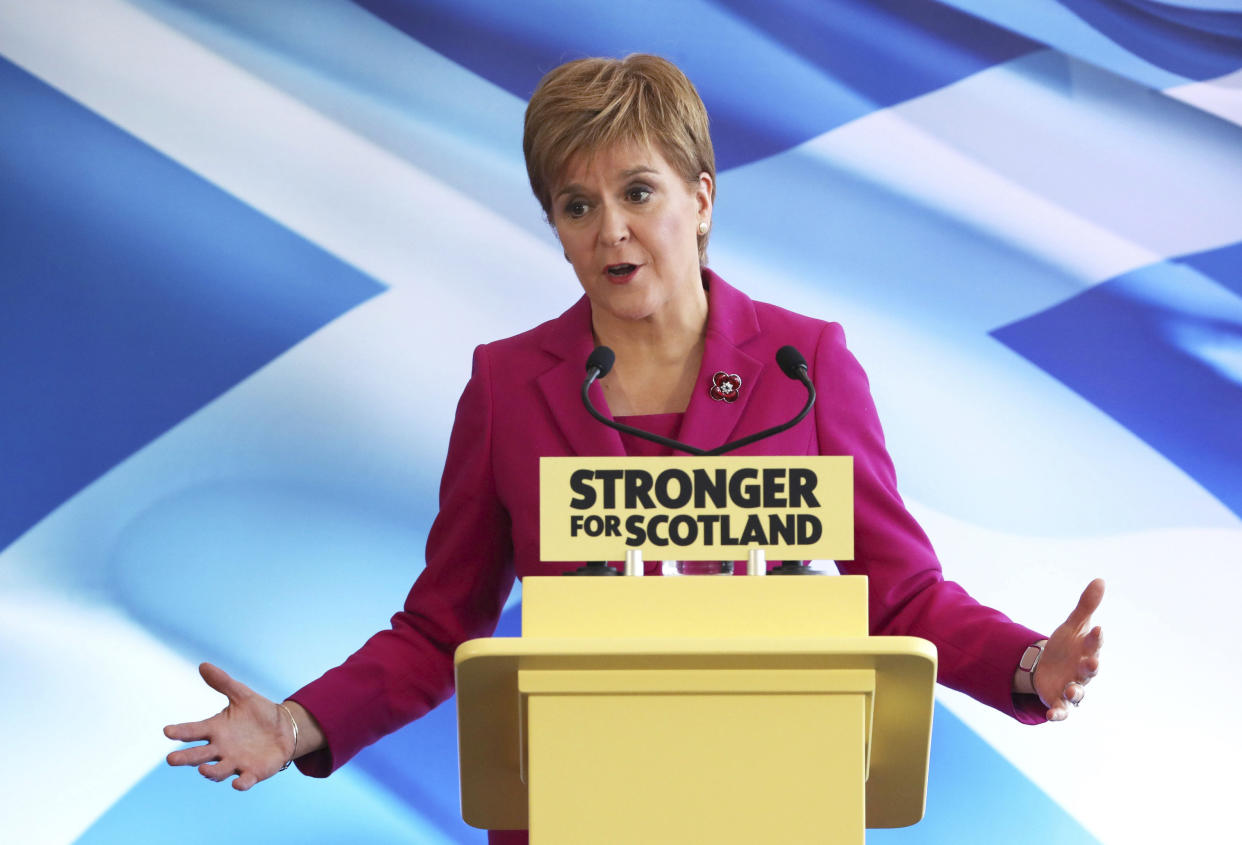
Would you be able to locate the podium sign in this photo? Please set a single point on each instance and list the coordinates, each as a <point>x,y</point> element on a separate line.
<point>696,508</point>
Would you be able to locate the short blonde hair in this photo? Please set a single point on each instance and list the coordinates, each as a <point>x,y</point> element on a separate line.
<point>592,104</point>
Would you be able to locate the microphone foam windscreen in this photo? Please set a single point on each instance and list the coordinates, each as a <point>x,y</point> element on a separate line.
<point>601,358</point>
<point>790,361</point>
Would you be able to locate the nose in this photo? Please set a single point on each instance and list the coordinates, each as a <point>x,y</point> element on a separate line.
<point>614,227</point>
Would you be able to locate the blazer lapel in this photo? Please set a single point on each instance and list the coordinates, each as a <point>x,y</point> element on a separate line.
<point>569,339</point>
<point>731,321</point>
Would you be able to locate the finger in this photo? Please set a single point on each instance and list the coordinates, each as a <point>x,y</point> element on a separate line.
<point>1088,669</point>
<point>1087,603</point>
<point>195,756</point>
<point>1058,712</point>
<point>244,781</point>
<point>222,682</point>
<point>216,771</point>
<point>188,731</point>
<point>1094,640</point>
<point>1074,693</point>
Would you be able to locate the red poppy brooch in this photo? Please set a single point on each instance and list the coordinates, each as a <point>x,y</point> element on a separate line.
<point>725,387</point>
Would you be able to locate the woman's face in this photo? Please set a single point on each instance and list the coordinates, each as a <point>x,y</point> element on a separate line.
<point>629,225</point>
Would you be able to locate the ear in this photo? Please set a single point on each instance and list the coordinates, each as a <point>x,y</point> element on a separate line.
<point>703,192</point>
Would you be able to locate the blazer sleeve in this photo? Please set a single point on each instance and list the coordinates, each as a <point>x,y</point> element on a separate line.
<point>979,648</point>
<point>401,673</point>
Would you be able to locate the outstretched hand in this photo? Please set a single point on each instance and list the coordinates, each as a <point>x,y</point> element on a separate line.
<point>1071,657</point>
<point>252,737</point>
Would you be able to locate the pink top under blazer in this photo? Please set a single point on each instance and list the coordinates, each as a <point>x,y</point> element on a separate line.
<point>522,402</point>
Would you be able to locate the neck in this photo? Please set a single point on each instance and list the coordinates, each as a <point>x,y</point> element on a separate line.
<point>659,342</point>
<point>658,358</point>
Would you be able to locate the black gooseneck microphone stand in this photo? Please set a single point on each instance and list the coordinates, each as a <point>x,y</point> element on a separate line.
<point>599,364</point>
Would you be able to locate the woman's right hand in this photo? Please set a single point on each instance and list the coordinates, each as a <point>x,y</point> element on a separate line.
<point>252,737</point>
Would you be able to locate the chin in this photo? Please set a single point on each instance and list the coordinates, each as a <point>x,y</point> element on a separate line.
<point>626,305</point>
<point>632,312</point>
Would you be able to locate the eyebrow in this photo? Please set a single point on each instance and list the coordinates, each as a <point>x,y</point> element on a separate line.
<point>574,187</point>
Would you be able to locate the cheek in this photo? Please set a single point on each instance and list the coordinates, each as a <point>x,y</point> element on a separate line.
<point>572,243</point>
<point>673,235</point>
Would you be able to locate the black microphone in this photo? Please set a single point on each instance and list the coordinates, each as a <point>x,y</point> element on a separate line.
<point>600,362</point>
<point>790,360</point>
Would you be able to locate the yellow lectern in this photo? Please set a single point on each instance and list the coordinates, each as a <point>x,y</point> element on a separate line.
<point>694,709</point>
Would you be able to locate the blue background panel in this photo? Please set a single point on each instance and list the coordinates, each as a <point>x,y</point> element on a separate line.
<point>134,292</point>
<point>772,75</point>
<point>1160,350</point>
<point>1195,43</point>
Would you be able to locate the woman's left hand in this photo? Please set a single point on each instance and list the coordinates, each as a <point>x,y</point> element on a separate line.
<point>1072,656</point>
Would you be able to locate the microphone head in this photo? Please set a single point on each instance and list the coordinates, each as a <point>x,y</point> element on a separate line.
<point>790,361</point>
<point>601,359</point>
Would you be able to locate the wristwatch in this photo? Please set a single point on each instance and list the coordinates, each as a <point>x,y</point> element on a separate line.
<point>1024,678</point>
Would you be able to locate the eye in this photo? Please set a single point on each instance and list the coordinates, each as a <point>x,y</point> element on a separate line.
<point>638,194</point>
<point>577,208</point>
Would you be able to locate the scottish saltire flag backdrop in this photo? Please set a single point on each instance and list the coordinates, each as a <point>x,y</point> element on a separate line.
<point>246,249</point>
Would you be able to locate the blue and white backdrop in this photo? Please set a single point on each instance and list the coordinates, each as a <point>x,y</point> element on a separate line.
<point>246,249</point>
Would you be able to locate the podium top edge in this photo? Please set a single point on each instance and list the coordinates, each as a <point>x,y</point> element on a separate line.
<point>907,647</point>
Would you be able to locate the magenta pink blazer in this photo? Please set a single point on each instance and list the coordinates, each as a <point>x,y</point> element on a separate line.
<point>522,402</point>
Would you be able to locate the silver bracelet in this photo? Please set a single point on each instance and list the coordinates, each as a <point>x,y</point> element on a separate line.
<point>294,752</point>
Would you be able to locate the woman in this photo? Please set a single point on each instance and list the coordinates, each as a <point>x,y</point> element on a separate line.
<point>619,156</point>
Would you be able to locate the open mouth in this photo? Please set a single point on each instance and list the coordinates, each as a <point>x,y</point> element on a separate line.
<point>620,271</point>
